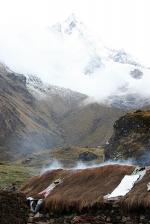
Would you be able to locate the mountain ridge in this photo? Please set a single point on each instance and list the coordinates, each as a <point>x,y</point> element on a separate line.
<point>32,123</point>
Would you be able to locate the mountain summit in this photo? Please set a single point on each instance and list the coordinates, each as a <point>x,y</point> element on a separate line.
<point>69,55</point>
<point>111,76</point>
<point>73,28</point>
<point>71,24</point>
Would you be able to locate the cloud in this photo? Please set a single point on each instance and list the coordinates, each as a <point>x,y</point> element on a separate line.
<point>27,46</point>
<point>61,60</point>
<point>120,23</point>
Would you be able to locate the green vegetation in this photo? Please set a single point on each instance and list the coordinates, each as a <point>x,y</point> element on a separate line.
<point>20,171</point>
<point>70,155</point>
<point>12,173</point>
<point>67,156</point>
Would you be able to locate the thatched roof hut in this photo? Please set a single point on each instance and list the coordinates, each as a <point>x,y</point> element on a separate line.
<point>80,189</point>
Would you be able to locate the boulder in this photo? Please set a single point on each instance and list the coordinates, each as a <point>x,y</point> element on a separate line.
<point>87,156</point>
<point>136,74</point>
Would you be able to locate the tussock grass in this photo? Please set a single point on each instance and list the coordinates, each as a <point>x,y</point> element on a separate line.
<point>81,189</point>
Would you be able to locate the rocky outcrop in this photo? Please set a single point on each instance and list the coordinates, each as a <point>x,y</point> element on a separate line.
<point>87,156</point>
<point>136,74</point>
<point>131,138</point>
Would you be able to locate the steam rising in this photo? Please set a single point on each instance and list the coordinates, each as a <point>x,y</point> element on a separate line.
<point>55,164</point>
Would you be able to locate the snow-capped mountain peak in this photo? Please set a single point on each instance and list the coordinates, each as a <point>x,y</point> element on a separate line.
<point>70,24</point>
<point>75,58</point>
<point>98,53</point>
<point>80,44</point>
<point>72,19</point>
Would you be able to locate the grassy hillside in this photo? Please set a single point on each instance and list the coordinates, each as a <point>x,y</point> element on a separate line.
<point>66,157</point>
<point>90,125</point>
<point>13,173</point>
<point>20,171</point>
<point>34,118</point>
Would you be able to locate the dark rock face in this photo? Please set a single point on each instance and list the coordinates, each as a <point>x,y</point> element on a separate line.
<point>136,74</point>
<point>128,101</point>
<point>87,156</point>
<point>131,138</point>
<point>13,208</point>
<point>17,78</point>
<point>122,57</point>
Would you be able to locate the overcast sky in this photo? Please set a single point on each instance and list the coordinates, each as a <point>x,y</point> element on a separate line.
<point>119,23</point>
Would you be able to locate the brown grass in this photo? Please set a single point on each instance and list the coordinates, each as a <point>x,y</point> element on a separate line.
<point>38,183</point>
<point>140,113</point>
<point>138,197</point>
<point>81,189</point>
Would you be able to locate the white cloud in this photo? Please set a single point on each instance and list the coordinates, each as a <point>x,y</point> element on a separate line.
<point>27,46</point>
<point>122,23</point>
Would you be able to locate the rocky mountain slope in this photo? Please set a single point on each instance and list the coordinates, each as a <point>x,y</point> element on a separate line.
<point>23,128</point>
<point>34,117</point>
<point>131,138</point>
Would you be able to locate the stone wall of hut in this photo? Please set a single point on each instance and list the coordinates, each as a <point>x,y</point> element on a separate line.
<point>109,213</point>
<point>114,213</point>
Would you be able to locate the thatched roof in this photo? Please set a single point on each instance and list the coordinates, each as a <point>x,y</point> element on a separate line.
<point>39,183</point>
<point>138,197</point>
<point>80,188</point>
